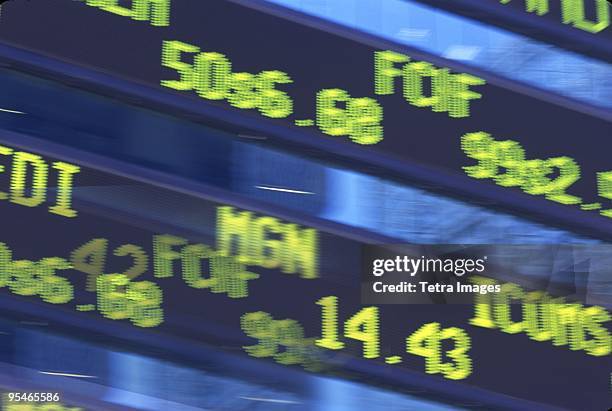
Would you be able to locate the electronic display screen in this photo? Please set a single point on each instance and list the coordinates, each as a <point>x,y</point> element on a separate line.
<point>120,250</point>
<point>386,105</point>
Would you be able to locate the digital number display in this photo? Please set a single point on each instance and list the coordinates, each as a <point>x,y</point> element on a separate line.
<point>388,105</point>
<point>280,291</point>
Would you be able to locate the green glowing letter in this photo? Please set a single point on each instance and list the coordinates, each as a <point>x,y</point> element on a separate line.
<point>64,189</point>
<point>37,193</point>
<point>329,324</point>
<point>163,254</point>
<point>502,308</point>
<point>537,316</point>
<point>4,151</point>
<point>592,319</point>
<point>567,327</point>
<point>483,313</point>
<point>233,228</point>
<point>213,76</point>
<point>364,326</point>
<point>273,103</point>
<point>300,251</point>
<point>155,11</point>
<point>460,94</point>
<point>575,13</point>
<point>171,58</point>
<point>385,72</point>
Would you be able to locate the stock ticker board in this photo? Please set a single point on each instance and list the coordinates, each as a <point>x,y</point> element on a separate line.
<point>389,105</point>
<point>122,251</point>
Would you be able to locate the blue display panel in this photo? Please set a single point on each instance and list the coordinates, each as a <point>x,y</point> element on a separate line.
<point>401,112</point>
<point>114,251</point>
<point>248,164</point>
